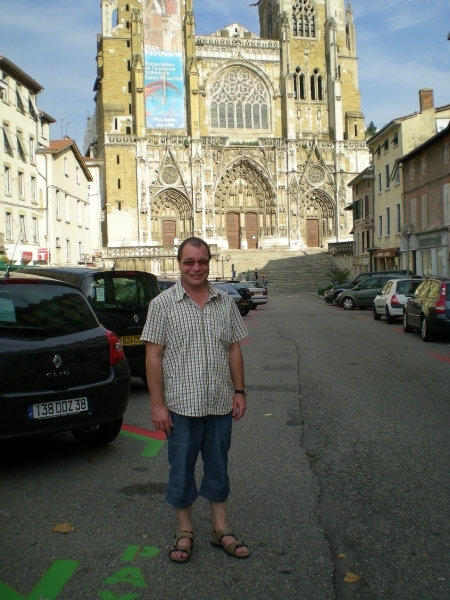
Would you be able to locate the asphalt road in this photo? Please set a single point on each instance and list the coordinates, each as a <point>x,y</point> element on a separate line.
<point>339,466</point>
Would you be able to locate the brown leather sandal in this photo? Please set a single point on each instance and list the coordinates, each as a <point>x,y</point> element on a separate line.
<point>231,548</point>
<point>181,547</point>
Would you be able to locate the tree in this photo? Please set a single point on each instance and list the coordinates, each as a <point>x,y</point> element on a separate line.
<point>340,275</point>
<point>371,129</point>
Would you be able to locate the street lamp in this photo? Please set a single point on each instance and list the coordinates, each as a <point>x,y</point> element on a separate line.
<point>408,231</point>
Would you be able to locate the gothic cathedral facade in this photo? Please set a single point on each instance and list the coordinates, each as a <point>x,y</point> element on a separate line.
<point>246,141</point>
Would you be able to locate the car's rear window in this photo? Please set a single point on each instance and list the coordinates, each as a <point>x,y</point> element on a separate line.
<point>30,310</point>
<point>225,287</point>
<point>408,287</point>
<point>112,291</point>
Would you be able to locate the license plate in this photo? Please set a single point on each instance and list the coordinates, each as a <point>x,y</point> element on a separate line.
<point>258,293</point>
<point>131,340</point>
<point>245,303</point>
<point>57,408</point>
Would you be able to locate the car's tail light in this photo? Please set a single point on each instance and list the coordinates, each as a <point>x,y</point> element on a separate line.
<point>252,293</point>
<point>116,352</point>
<point>265,293</point>
<point>440,306</point>
<point>395,302</point>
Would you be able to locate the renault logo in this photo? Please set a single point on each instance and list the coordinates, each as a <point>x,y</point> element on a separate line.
<point>136,319</point>
<point>57,361</point>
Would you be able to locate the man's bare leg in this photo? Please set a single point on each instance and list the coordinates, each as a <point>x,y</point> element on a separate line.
<point>184,524</point>
<point>219,521</point>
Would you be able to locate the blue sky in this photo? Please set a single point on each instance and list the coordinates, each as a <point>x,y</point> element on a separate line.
<point>402,47</point>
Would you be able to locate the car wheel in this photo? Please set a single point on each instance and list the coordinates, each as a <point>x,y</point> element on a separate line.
<point>389,317</point>
<point>334,300</point>
<point>98,435</point>
<point>245,312</point>
<point>376,316</point>
<point>406,327</point>
<point>348,303</point>
<point>424,332</point>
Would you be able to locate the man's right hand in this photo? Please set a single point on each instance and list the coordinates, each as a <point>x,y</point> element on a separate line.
<point>161,417</point>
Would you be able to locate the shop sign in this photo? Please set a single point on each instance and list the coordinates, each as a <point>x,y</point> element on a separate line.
<point>430,241</point>
<point>42,254</point>
<point>27,256</point>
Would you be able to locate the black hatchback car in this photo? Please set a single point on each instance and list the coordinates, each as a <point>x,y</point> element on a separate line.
<point>429,308</point>
<point>120,300</point>
<point>60,370</point>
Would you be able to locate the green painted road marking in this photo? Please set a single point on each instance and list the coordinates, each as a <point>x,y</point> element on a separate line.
<point>131,575</point>
<point>48,587</point>
<point>112,596</point>
<point>153,446</point>
<point>132,552</point>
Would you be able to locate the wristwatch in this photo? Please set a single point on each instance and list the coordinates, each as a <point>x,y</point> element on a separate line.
<point>241,392</point>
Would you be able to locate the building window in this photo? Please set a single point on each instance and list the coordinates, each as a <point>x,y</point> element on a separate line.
<point>20,147</point>
<point>3,86</point>
<point>303,19</point>
<point>35,224</point>
<point>397,175</point>
<point>395,139</point>
<point>23,228</point>
<point>67,207</point>
<point>86,216</point>
<point>380,185</point>
<point>19,102</point>
<point>21,184</point>
<point>316,86</point>
<point>446,153</point>
<point>388,220</point>
<point>413,212</point>
<point>58,242</point>
<point>412,170</point>
<point>387,174</point>
<point>66,167</point>
<point>446,200</point>
<point>118,184</point>
<point>299,84</point>
<point>118,159</point>
<point>7,176</point>
<point>239,99</point>
<point>77,174</point>
<point>380,225</point>
<point>424,210</point>
<point>398,218</point>
<point>67,250</point>
<point>79,213</point>
<point>423,165</point>
<point>32,150</point>
<point>33,190</point>
<point>58,204</point>
<point>8,226</point>
<point>7,141</point>
<point>386,145</point>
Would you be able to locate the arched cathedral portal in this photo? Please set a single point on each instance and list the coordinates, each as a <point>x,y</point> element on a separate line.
<point>171,217</point>
<point>245,206</point>
<point>312,217</point>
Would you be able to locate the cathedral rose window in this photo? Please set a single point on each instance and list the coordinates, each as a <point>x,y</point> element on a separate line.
<point>239,100</point>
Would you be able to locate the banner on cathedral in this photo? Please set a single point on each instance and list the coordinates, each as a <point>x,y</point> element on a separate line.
<point>164,65</point>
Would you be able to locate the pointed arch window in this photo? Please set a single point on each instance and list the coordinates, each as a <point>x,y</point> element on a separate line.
<point>317,91</point>
<point>239,100</point>
<point>304,19</point>
<point>299,84</point>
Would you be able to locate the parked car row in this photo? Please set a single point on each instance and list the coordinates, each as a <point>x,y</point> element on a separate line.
<point>422,304</point>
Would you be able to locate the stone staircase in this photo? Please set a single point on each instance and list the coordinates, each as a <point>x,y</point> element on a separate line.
<point>288,272</point>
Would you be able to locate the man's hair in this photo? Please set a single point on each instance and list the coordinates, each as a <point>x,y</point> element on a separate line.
<point>193,241</point>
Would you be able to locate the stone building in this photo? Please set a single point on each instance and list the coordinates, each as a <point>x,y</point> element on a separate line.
<point>246,141</point>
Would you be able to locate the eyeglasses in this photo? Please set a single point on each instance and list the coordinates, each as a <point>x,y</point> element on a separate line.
<point>203,262</point>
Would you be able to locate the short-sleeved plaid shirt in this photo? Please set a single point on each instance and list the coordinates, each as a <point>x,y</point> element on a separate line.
<point>196,372</point>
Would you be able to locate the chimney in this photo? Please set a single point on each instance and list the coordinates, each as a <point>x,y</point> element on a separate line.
<point>426,99</point>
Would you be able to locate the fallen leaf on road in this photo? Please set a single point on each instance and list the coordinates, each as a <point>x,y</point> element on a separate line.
<point>351,577</point>
<point>63,528</point>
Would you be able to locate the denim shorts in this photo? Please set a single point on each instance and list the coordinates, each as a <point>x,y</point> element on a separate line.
<point>211,436</point>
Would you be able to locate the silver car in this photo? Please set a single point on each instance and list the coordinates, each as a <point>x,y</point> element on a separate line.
<point>392,298</point>
<point>258,292</point>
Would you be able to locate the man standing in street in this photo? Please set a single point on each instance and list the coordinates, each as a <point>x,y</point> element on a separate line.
<point>195,375</point>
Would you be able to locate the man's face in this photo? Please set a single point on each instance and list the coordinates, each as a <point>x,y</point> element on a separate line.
<point>195,274</point>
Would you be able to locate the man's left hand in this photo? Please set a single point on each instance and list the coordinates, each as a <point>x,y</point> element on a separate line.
<point>239,406</point>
